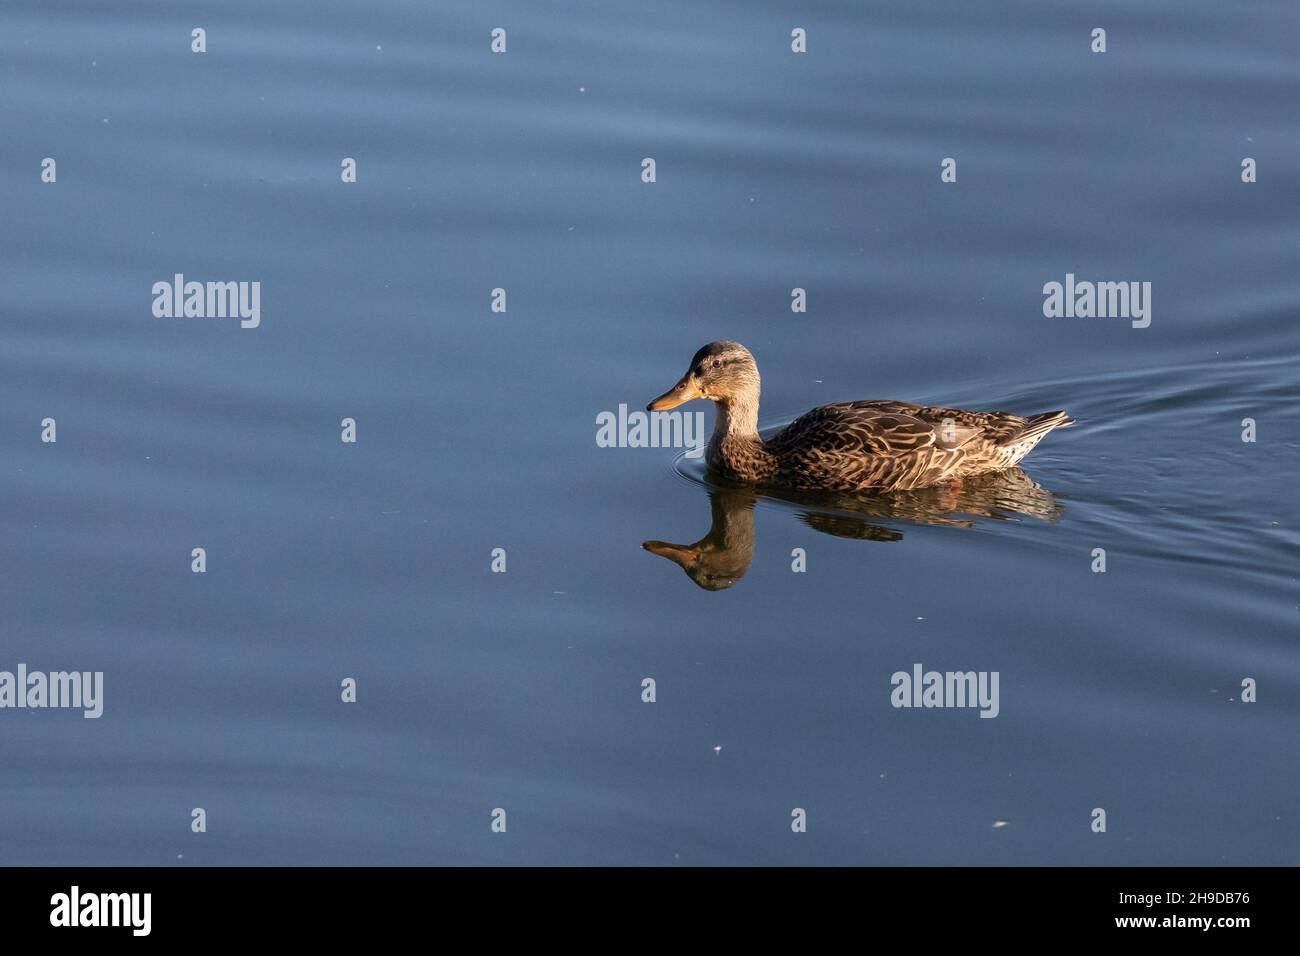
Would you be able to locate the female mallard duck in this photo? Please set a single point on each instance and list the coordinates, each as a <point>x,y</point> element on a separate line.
<point>849,446</point>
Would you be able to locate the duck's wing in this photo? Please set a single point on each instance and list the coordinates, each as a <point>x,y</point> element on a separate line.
<point>859,445</point>
<point>876,428</point>
<point>995,427</point>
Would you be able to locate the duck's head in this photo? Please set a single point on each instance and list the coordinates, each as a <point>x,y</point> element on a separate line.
<point>720,372</point>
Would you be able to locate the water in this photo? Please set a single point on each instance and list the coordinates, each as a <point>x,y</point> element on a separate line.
<point>477,431</point>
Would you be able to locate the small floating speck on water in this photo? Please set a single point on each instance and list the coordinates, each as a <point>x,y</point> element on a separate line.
<point>999,824</point>
<point>718,749</point>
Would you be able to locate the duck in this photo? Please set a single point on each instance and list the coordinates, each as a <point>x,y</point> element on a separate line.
<point>863,446</point>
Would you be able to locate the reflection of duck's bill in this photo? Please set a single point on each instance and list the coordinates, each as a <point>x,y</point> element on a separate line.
<point>679,394</point>
<point>674,552</point>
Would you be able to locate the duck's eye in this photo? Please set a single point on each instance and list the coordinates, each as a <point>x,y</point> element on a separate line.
<point>717,363</point>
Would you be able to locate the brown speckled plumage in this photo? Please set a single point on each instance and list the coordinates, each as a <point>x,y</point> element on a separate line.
<point>848,446</point>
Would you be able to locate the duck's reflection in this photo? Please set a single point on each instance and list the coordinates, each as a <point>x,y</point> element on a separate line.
<point>721,557</point>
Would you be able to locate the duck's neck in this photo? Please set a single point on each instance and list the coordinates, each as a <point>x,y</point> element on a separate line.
<point>737,420</point>
<point>736,448</point>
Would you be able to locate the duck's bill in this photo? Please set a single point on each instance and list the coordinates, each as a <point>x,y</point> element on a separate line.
<point>679,394</point>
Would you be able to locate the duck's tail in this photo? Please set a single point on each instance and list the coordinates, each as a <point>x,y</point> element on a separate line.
<point>1036,426</point>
